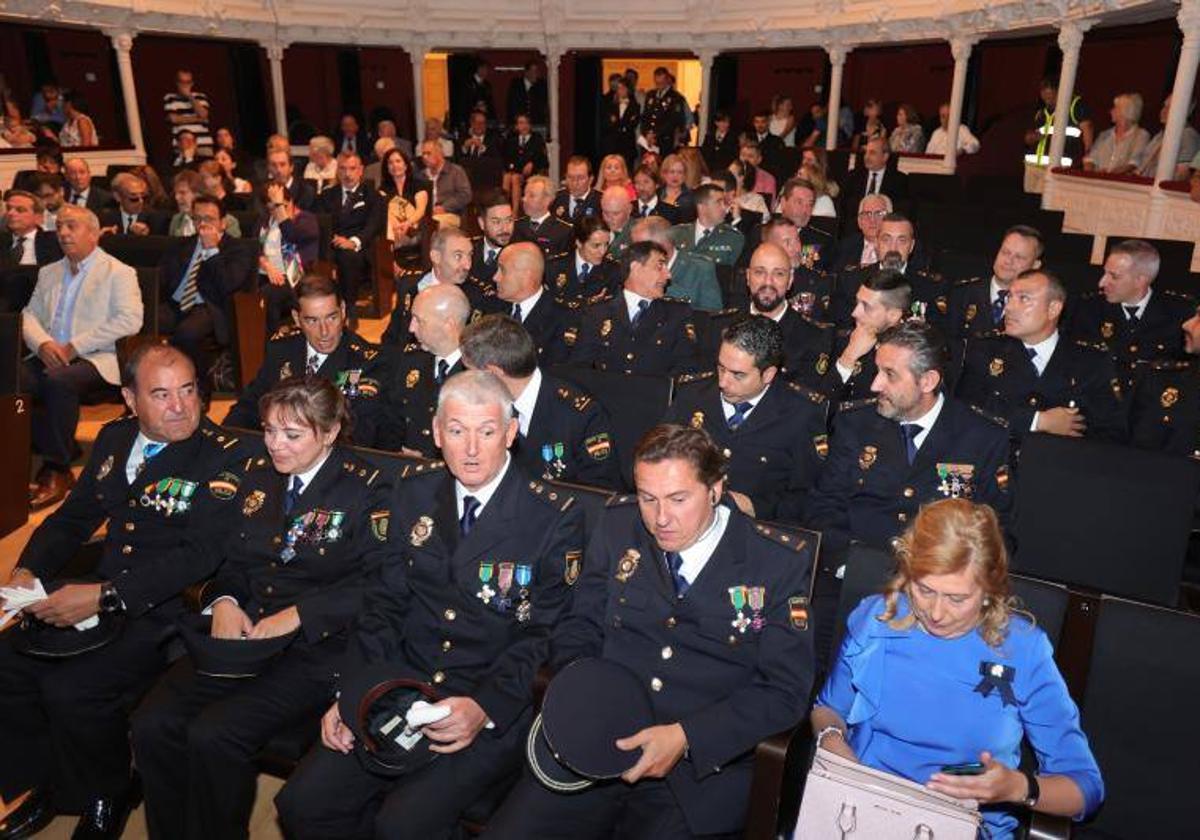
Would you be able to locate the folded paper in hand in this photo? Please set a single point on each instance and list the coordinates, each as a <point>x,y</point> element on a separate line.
<point>17,598</point>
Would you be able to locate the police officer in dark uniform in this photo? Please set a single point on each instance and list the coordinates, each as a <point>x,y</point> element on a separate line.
<point>480,571</point>
<point>438,316</point>
<point>665,112</point>
<point>977,303</point>
<point>577,200</point>
<point>638,330</point>
<point>564,432</point>
<point>450,254</point>
<point>1166,405</point>
<point>895,243</point>
<point>882,301</point>
<point>163,480</point>
<point>772,432</point>
<point>909,445</point>
<point>710,610</point>
<point>797,199</point>
<point>1038,380</point>
<point>519,288</point>
<point>320,344</point>
<point>496,222</point>
<point>312,532</point>
<point>539,225</point>
<point>585,272</point>
<point>811,289</point>
<point>1133,320</point>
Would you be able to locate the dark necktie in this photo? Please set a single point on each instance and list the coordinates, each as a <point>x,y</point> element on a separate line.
<point>79,200</point>
<point>18,250</point>
<point>490,259</point>
<point>191,286</point>
<point>739,415</point>
<point>293,495</point>
<point>534,226</point>
<point>998,306</point>
<point>704,235</point>
<point>347,197</point>
<point>871,185</point>
<point>1031,352</point>
<point>443,368</point>
<point>642,306</point>
<point>674,566</point>
<point>470,512</point>
<point>516,312</point>
<point>584,271</point>
<point>910,431</point>
<point>1131,312</point>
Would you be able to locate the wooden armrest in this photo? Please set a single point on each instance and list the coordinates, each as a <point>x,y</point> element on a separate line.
<point>773,788</point>
<point>194,596</point>
<point>1048,827</point>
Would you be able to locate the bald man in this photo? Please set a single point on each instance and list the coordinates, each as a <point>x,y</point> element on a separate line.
<point>439,314</point>
<point>519,286</point>
<point>617,208</point>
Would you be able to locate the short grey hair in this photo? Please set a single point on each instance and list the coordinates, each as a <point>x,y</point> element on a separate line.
<point>123,181</point>
<point>475,387</point>
<point>924,341</point>
<point>886,199</point>
<point>653,229</point>
<point>1144,256</point>
<point>74,211</point>
<point>321,143</point>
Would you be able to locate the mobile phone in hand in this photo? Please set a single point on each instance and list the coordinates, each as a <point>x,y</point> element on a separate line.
<point>970,768</point>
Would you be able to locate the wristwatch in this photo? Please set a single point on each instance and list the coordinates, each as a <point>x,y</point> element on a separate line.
<point>110,599</point>
<point>1035,792</point>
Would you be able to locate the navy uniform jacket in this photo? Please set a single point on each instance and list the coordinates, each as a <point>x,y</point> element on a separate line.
<point>356,366</point>
<point>589,205</point>
<point>552,234</point>
<point>486,274</point>
<point>570,437</point>
<point>776,454</point>
<point>807,344</point>
<point>998,376</point>
<point>1166,408</point>
<point>410,401</point>
<point>728,686</point>
<point>811,293</point>
<point>971,309</point>
<point>517,156</point>
<point>662,343</point>
<point>318,557</point>
<point>481,296</point>
<point>858,386</point>
<point>868,492</point>
<point>165,530</point>
<point>1157,336</point>
<point>550,324</point>
<point>664,114</point>
<point>562,279</point>
<point>429,611</point>
<point>930,297</point>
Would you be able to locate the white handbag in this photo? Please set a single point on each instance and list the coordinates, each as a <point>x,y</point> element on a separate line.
<point>845,800</point>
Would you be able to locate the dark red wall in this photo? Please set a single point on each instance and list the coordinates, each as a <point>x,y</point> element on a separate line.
<point>392,67</point>
<point>918,74</point>
<point>765,74</point>
<point>310,84</point>
<point>1009,73</point>
<point>1128,59</point>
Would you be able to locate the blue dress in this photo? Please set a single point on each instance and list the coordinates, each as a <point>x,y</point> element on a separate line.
<point>911,704</point>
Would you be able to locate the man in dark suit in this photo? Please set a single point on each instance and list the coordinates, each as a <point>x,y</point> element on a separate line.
<point>81,192</point>
<point>693,596</point>
<point>496,222</point>
<point>23,242</point>
<point>358,217</point>
<point>770,147</point>
<point>858,248</point>
<point>578,199</point>
<point>719,148</point>
<point>585,272</point>
<point>521,295</point>
<point>130,216</point>
<point>515,547</point>
<point>772,432</point>
<point>872,177</point>
<point>352,137</point>
<point>527,94</point>
<point>281,170</point>
<point>318,343</point>
<point>1036,378</point>
<point>198,275</point>
<point>977,303</point>
<point>640,330</point>
<point>479,141</point>
<point>564,433</point>
<point>909,445</point>
<point>538,225</point>
<point>162,479</point>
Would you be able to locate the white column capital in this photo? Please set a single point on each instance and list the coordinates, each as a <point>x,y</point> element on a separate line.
<point>1070,34</point>
<point>837,53</point>
<point>274,49</point>
<point>417,50</point>
<point>961,45</point>
<point>122,39</point>
<point>554,54</point>
<point>707,56</point>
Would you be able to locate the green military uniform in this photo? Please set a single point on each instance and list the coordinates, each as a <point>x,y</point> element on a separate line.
<point>723,244</point>
<point>694,279</point>
<point>620,240</point>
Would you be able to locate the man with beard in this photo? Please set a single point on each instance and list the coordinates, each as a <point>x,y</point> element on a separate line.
<point>881,303</point>
<point>496,222</point>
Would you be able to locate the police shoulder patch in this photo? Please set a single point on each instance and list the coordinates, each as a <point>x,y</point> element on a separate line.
<point>224,485</point>
<point>285,331</point>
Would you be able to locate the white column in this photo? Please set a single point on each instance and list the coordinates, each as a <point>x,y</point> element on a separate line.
<point>706,65</point>
<point>275,59</point>
<point>837,62</point>
<point>1070,39</point>
<point>960,48</point>
<point>417,52</point>
<point>122,41</point>
<point>554,55</point>
<point>1181,93</point>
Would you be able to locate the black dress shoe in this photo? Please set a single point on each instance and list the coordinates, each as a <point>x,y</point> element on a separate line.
<point>30,817</point>
<point>103,819</point>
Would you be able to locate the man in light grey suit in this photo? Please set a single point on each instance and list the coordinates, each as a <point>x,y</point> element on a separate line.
<point>81,305</point>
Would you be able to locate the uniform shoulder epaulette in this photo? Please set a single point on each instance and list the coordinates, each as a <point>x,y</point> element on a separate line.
<point>727,313</point>
<point>682,301</point>
<point>686,378</point>
<point>256,463</point>
<point>970,281</point>
<point>285,331</point>
<point>412,347</point>
<point>1180,296</point>
<point>987,415</point>
<point>1165,364</point>
<point>124,418</point>
<point>219,436</point>
<point>568,393</point>
<point>933,276</point>
<point>556,497</point>
<point>793,541</point>
<point>559,256</point>
<point>804,391</point>
<point>422,468</point>
<point>620,499</point>
<point>855,405</point>
<point>569,303</point>
<point>409,273</point>
<point>367,472</point>
<point>1091,345</point>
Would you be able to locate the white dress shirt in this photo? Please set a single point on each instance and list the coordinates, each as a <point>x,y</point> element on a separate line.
<point>526,401</point>
<point>697,555</point>
<point>530,302</point>
<point>1141,305</point>
<point>926,421</point>
<point>729,410</point>
<point>484,494</point>
<point>631,303</point>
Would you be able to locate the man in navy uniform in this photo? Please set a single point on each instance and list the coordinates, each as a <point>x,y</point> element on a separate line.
<point>665,112</point>
<point>521,295</point>
<point>1133,320</point>
<point>358,218</point>
<point>797,199</point>
<point>977,304</point>
<point>577,200</point>
<point>585,272</point>
<point>772,432</point>
<point>481,572</point>
<point>1037,379</point>
<point>539,225</point>
<point>319,343</point>
<point>811,290</point>
<point>710,610</point>
<point>881,302</point>
<point>496,222</point>
<point>564,432</point>
<point>163,479</point>
<point>639,330</point>
<point>1166,405</point>
<point>908,445</point>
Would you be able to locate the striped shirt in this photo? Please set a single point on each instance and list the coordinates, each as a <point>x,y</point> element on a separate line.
<point>175,103</point>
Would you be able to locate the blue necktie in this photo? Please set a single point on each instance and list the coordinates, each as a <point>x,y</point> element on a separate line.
<point>470,511</point>
<point>1131,312</point>
<point>642,306</point>
<point>674,566</point>
<point>584,271</point>
<point>293,495</point>
<point>739,415</point>
<point>149,451</point>
<point>910,430</point>
<point>443,367</point>
<point>1031,352</point>
<point>998,306</point>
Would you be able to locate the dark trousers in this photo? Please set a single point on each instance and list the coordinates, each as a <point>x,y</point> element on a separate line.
<point>195,738</point>
<point>64,723</point>
<point>353,267</point>
<point>281,300</point>
<point>608,809</point>
<point>332,795</point>
<point>193,332</point>
<point>57,393</point>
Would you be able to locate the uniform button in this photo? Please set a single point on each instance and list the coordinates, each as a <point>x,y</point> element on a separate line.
<point>1133,348</point>
<point>762,458</point>
<point>671,622</point>
<point>127,549</point>
<point>1033,400</point>
<point>909,492</point>
<point>903,517</point>
<point>132,503</point>
<point>727,453</point>
<point>629,356</point>
<point>324,634</point>
<point>129,526</point>
<point>447,644</point>
<point>270,590</point>
<point>667,653</point>
<point>262,611</point>
<point>274,565</point>
<point>276,540</point>
<point>733,640</point>
<point>656,684</point>
<point>450,615</point>
<point>321,551</point>
<point>621,600</point>
<point>439,677</point>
